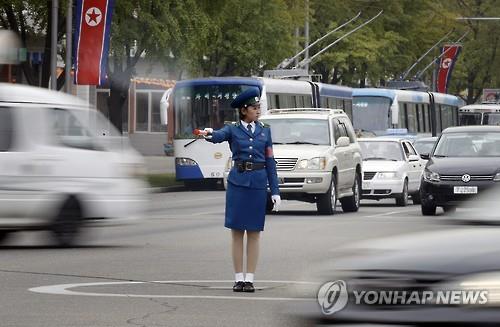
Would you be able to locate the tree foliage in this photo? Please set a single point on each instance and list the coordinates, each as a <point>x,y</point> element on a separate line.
<point>233,37</point>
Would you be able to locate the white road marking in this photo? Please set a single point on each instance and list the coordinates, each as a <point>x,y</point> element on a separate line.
<point>63,289</point>
<point>389,213</point>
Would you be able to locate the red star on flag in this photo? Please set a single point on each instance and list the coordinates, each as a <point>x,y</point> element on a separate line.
<point>93,16</point>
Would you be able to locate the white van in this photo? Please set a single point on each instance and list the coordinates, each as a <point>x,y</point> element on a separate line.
<point>63,165</point>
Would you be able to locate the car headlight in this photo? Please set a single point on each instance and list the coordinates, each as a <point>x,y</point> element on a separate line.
<point>185,162</point>
<point>387,175</point>
<point>318,163</point>
<point>497,177</point>
<point>431,176</point>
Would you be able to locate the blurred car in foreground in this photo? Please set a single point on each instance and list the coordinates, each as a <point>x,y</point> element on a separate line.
<point>63,166</point>
<point>465,161</point>
<point>391,169</point>
<point>456,271</point>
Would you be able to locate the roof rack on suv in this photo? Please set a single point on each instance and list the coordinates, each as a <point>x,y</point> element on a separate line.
<point>308,110</point>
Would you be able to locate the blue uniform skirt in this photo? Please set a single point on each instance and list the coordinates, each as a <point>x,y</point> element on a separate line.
<point>245,208</point>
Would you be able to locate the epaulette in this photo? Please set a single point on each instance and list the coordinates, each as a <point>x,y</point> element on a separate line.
<point>263,125</point>
<point>234,123</point>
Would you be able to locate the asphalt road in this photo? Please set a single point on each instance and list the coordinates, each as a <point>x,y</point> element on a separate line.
<point>173,268</point>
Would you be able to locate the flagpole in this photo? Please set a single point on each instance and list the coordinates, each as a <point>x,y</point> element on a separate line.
<point>69,43</point>
<point>53,50</point>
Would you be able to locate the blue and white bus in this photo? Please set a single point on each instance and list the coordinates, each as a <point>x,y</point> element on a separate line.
<point>205,102</point>
<point>379,110</point>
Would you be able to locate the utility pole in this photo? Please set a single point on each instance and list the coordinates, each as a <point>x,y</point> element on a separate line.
<point>53,50</point>
<point>69,41</point>
<point>306,35</point>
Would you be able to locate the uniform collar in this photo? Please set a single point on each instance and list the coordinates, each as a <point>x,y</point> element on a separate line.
<point>245,124</point>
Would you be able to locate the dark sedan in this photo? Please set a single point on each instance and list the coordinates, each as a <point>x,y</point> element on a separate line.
<point>465,161</point>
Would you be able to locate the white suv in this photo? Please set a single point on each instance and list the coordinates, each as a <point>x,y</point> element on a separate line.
<point>63,165</point>
<point>318,157</point>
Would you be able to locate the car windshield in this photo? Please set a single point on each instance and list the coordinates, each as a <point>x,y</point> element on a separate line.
<point>469,144</point>
<point>383,150</point>
<point>299,131</point>
<point>424,146</point>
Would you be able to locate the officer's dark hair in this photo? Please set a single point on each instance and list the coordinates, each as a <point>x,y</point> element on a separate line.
<point>240,112</point>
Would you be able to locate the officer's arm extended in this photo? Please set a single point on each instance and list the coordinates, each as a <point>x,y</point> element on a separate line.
<point>272,175</point>
<point>221,135</point>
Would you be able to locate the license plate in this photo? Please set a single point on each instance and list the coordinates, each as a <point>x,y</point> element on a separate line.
<point>465,189</point>
<point>366,185</point>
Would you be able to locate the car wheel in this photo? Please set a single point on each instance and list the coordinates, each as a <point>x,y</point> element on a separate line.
<point>67,225</point>
<point>351,203</point>
<point>402,199</point>
<point>326,202</point>
<point>415,197</point>
<point>428,209</point>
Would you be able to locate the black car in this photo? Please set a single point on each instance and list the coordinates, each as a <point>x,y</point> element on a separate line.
<point>464,162</point>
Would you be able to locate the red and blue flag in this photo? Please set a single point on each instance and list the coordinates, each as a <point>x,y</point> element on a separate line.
<point>93,26</point>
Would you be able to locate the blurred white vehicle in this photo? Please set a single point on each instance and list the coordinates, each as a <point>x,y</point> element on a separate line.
<point>63,165</point>
<point>392,168</point>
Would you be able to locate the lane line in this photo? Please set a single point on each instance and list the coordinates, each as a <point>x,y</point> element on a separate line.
<point>388,213</point>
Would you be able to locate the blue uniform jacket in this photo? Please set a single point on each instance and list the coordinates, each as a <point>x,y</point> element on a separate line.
<point>256,147</point>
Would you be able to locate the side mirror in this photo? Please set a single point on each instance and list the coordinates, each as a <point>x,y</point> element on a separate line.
<point>413,157</point>
<point>343,141</point>
<point>425,156</point>
<point>164,107</point>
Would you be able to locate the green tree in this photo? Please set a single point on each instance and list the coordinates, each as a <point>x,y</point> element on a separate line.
<point>32,20</point>
<point>245,37</point>
<point>381,50</point>
<point>154,30</point>
<point>478,66</point>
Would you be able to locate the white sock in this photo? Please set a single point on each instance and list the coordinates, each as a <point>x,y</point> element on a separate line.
<point>249,277</point>
<point>238,277</point>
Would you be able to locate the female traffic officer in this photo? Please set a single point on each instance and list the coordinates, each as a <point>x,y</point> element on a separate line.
<point>254,167</point>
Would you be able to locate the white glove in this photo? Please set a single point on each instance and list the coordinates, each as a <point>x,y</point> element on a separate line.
<point>277,202</point>
<point>208,132</point>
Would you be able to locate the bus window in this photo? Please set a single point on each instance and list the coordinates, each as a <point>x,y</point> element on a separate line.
<point>348,108</point>
<point>427,119</point>
<point>420,117</point>
<point>271,101</point>
<point>411,115</point>
<point>325,102</point>
<point>472,118</point>
<point>491,118</point>
<point>448,116</point>
<point>402,122</point>
<point>437,114</point>
<point>331,103</point>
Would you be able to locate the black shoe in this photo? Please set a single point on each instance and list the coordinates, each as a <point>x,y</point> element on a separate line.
<point>238,286</point>
<point>248,287</point>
